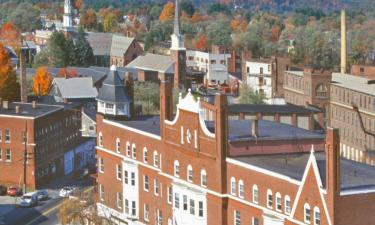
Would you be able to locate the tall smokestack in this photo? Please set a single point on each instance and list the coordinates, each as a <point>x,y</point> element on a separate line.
<point>23,77</point>
<point>343,41</point>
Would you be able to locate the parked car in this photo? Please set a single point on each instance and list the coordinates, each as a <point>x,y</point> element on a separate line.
<point>14,191</point>
<point>66,191</point>
<point>3,190</point>
<point>42,195</point>
<point>29,199</point>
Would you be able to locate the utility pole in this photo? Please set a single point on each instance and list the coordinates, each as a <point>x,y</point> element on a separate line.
<point>24,159</point>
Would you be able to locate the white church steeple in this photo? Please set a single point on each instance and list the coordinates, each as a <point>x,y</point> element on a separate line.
<point>177,37</point>
<point>68,20</point>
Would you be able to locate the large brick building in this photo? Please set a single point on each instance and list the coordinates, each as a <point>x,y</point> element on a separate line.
<point>357,142</point>
<point>50,131</point>
<point>309,88</point>
<point>182,169</point>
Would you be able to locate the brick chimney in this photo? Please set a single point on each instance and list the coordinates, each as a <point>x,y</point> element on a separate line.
<point>166,102</point>
<point>255,128</point>
<point>33,104</point>
<point>332,168</point>
<point>343,42</point>
<point>129,86</point>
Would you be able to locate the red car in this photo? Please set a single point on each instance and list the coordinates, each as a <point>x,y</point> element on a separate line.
<point>14,191</point>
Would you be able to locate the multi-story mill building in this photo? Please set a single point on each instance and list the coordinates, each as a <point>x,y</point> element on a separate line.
<point>181,169</point>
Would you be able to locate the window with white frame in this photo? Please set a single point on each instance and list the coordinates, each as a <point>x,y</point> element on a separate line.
<point>255,221</point>
<point>159,217</point>
<point>126,177</point>
<point>146,213</point>
<point>8,155</point>
<point>1,136</point>
<point>176,168</point>
<point>170,195</point>
<point>241,189</point>
<point>145,155</point>
<point>269,198</point>
<point>203,178</point>
<point>255,194</point>
<point>192,207</point>
<point>134,151</point>
<point>156,187</point>
<point>134,209</point>
<point>200,209</point>
<point>145,183</point>
<point>126,206</point>
<point>278,202</point>
<point>237,217</point>
<point>101,165</point>
<point>7,136</point>
<point>287,205</point>
<point>127,149</point>
<point>100,139</point>
<point>101,192</point>
<point>156,159</point>
<point>316,216</point>
<point>185,203</point>
<point>307,213</point>
<point>177,200</point>
<point>118,145</point>
<point>190,173</point>
<point>119,200</point>
<point>132,178</point>
<point>233,185</point>
<point>1,154</point>
<point>119,171</point>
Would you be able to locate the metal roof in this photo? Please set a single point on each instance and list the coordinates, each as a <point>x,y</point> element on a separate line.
<point>113,89</point>
<point>269,109</point>
<point>100,43</point>
<point>78,87</point>
<point>120,44</point>
<point>153,62</point>
<point>355,83</point>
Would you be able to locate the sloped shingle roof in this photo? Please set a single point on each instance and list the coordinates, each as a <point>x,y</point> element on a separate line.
<point>78,87</point>
<point>120,45</point>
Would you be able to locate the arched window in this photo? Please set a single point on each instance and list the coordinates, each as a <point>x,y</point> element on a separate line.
<point>316,216</point>
<point>321,90</point>
<point>118,145</point>
<point>203,178</point>
<point>269,198</point>
<point>287,205</point>
<point>127,149</point>
<point>307,213</point>
<point>190,173</point>
<point>255,194</point>
<point>278,202</point>
<point>145,155</point>
<point>156,159</point>
<point>241,190</point>
<point>134,151</point>
<point>176,168</point>
<point>100,139</point>
<point>233,185</point>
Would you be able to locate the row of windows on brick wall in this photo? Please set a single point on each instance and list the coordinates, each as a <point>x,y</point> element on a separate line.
<point>237,219</point>
<point>8,155</point>
<point>189,173</point>
<point>7,138</point>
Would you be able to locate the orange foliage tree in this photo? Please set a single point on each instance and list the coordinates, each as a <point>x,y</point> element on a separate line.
<point>64,72</point>
<point>11,36</point>
<point>201,44</point>
<point>78,4</point>
<point>167,13</point>
<point>197,17</point>
<point>275,32</point>
<point>42,81</point>
<point>88,19</point>
<point>9,87</point>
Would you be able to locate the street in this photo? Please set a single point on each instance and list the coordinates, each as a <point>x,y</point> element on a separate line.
<point>47,212</point>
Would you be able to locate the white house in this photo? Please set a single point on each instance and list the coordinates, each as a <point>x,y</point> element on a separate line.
<point>259,76</point>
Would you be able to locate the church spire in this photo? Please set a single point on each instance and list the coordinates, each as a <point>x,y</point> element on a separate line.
<point>176,29</point>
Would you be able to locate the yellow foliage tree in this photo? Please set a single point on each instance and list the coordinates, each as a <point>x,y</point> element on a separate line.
<point>167,13</point>
<point>42,81</point>
<point>9,87</point>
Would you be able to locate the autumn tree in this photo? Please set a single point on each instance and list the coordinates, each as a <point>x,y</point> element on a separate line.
<point>167,13</point>
<point>10,35</point>
<point>197,17</point>
<point>88,19</point>
<point>78,4</point>
<point>201,44</point>
<point>9,87</point>
<point>42,81</point>
<point>109,22</point>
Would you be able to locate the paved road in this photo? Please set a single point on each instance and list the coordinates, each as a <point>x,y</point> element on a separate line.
<point>46,213</point>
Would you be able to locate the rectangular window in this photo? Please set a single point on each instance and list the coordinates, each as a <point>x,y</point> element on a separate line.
<point>307,215</point>
<point>134,209</point>
<point>146,213</point>
<point>317,218</point>
<point>1,136</point>
<point>200,207</point>
<point>255,221</point>
<point>145,183</point>
<point>128,149</point>
<point>170,195</point>
<point>126,177</point>
<point>192,207</point>
<point>176,200</point>
<point>145,156</point>
<point>269,200</point>
<point>8,155</point>
<point>159,217</point>
<point>1,154</point>
<point>237,217</point>
<point>119,172</point>
<point>156,159</point>
<point>101,192</point>
<point>255,195</point>
<point>134,153</point>
<point>101,165</point>
<point>126,206</point>
<point>185,202</point>
<point>7,135</point>
<point>156,187</point>
<point>119,200</point>
<point>133,179</point>
<point>278,203</point>
<point>287,206</point>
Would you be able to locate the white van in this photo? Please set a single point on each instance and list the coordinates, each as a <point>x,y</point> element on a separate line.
<point>29,199</point>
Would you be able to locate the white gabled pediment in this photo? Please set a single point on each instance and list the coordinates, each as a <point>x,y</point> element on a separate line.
<point>188,103</point>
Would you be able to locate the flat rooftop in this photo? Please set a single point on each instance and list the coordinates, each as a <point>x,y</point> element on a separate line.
<point>354,175</point>
<point>149,124</point>
<point>26,110</point>
<point>355,83</point>
<point>269,109</point>
<point>267,130</point>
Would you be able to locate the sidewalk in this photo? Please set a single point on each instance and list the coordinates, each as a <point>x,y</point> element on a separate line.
<point>7,204</point>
